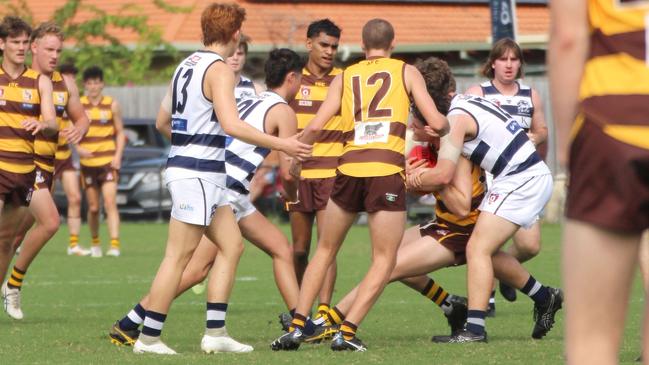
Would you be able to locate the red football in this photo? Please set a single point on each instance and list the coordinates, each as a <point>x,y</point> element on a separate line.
<point>424,153</point>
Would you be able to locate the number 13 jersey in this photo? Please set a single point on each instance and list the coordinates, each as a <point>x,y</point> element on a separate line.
<point>197,139</point>
<point>374,117</point>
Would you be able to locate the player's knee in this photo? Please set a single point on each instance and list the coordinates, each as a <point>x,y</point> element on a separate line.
<point>74,200</point>
<point>527,250</point>
<point>52,224</point>
<point>93,209</point>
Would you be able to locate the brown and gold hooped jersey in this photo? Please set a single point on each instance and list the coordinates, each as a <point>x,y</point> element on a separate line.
<point>374,115</point>
<point>45,147</point>
<point>615,85</point>
<point>100,139</point>
<point>19,100</point>
<point>329,143</point>
<point>463,225</point>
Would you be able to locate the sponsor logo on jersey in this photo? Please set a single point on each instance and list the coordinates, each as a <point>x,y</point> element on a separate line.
<point>59,98</point>
<point>391,197</point>
<point>27,95</point>
<point>493,197</point>
<point>2,92</point>
<point>186,206</point>
<point>305,91</point>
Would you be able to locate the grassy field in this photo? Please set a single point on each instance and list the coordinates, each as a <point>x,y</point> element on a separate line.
<point>70,302</point>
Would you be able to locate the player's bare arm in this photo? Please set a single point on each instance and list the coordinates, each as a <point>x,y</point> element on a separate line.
<point>75,111</point>
<point>328,109</point>
<point>474,90</point>
<point>282,120</point>
<point>416,86</point>
<point>539,129</point>
<point>163,120</point>
<point>218,86</point>
<point>568,49</point>
<point>457,195</point>
<point>48,125</point>
<point>120,137</point>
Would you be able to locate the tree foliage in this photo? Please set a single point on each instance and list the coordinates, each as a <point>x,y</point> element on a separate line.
<point>94,43</point>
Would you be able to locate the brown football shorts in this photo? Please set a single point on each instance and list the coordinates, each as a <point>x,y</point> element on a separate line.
<point>60,166</point>
<point>43,179</point>
<point>370,194</point>
<point>609,181</point>
<point>313,195</point>
<point>455,240</point>
<point>16,189</point>
<point>97,176</point>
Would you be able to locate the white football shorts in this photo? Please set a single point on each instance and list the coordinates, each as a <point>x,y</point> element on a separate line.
<point>241,204</point>
<point>195,200</point>
<point>518,199</point>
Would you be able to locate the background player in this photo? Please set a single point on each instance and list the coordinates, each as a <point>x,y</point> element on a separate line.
<point>504,68</point>
<point>100,153</point>
<point>318,172</point>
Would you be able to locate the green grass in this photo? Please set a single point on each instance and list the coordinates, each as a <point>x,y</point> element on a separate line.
<point>70,302</point>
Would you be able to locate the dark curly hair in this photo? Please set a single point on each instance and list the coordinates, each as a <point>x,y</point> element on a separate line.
<point>439,83</point>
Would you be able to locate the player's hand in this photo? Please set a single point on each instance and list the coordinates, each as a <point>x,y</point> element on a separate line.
<point>116,163</point>
<point>414,178</point>
<point>412,163</point>
<point>297,149</point>
<point>32,125</point>
<point>431,132</point>
<point>295,169</point>
<point>72,134</point>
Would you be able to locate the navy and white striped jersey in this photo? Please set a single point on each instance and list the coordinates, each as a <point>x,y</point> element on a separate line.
<point>519,106</point>
<point>244,87</point>
<point>197,138</point>
<point>501,146</point>
<point>241,158</point>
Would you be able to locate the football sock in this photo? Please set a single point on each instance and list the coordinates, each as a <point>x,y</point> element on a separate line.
<point>475,321</point>
<point>535,290</point>
<point>348,330</point>
<point>438,295</point>
<point>133,319</point>
<point>95,241</point>
<point>298,322</point>
<point>335,316</point>
<point>114,242</point>
<point>74,240</point>
<point>16,279</point>
<point>153,323</point>
<point>323,308</point>
<point>492,299</point>
<point>216,315</point>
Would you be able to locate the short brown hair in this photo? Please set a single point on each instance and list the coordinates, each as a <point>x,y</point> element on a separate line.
<point>220,21</point>
<point>13,26</point>
<point>439,83</point>
<point>244,43</point>
<point>500,48</point>
<point>47,28</point>
<point>378,34</point>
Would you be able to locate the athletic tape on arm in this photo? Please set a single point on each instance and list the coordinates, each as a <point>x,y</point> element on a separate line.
<point>448,150</point>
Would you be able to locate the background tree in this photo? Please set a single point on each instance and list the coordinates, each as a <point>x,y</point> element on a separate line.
<point>93,43</point>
